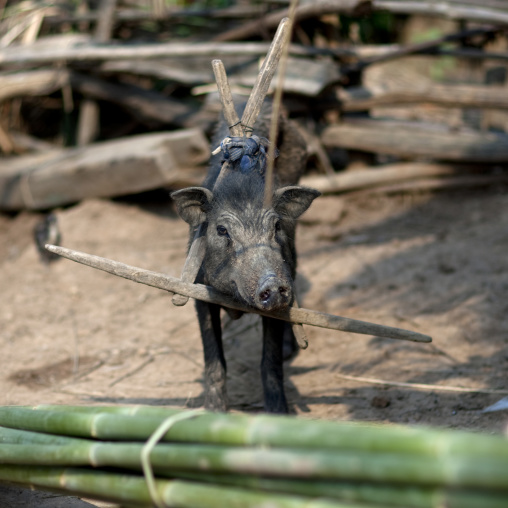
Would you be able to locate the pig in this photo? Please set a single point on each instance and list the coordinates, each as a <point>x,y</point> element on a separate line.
<point>250,249</point>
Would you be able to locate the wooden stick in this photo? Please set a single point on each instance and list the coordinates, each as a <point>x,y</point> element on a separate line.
<point>228,107</point>
<point>265,76</point>
<point>38,82</point>
<point>298,329</point>
<point>437,184</point>
<point>389,174</point>
<point>419,386</point>
<point>105,21</point>
<point>211,295</point>
<point>192,265</point>
<point>197,250</point>
<point>43,52</point>
<point>88,121</point>
<point>277,101</point>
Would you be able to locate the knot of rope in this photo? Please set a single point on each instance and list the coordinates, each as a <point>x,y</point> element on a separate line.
<point>249,151</point>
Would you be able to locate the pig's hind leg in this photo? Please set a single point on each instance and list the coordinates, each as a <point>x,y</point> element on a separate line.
<point>271,366</point>
<point>215,363</point>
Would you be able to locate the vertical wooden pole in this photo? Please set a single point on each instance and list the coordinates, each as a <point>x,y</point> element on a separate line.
<point>89,114</point>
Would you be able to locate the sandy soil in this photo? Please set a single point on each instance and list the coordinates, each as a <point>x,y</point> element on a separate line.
<point>436,264</point>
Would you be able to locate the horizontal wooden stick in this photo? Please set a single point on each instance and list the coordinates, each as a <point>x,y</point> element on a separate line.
<point>44,52</point>
<point>419,386</point>
<point>211,295</point>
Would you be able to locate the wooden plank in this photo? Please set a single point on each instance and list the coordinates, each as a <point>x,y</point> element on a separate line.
<point>112,168</point>
<point>413,139</point>
<point>494,180</point>
<point>304,76</point>
<point>462,96</point>
<point>390,174</point>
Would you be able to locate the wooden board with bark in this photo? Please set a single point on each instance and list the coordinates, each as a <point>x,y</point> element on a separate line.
<point>113,168</point>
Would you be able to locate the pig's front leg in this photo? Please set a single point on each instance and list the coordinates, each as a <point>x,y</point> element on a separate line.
<point>215,363</point>
<point>271,366</point>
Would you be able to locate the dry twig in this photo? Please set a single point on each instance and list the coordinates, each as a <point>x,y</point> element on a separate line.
<point>419,386</point>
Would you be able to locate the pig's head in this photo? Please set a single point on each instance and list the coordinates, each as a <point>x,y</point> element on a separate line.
<point>249,248</point>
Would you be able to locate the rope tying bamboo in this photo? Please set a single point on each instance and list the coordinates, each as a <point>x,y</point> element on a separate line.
<point>157,435</point>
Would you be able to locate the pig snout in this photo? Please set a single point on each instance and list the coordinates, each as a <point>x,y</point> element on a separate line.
<point>273,293</point>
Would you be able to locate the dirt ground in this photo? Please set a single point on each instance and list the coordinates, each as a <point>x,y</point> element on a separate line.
<point>436,264</point>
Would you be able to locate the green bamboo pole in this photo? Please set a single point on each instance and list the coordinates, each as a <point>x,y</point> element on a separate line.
<point>80,424</point>
<point>363,492</point>
<point>401,495</point>
<point>259,430</point>
<point>454,464</point>
<point>169,459</point>
<point>15,436</point>
<point>175,493</point>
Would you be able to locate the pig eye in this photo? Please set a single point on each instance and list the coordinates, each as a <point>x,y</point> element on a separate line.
<point>222,231</point>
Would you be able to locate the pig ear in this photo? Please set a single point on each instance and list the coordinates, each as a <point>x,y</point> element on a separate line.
<point>192,204</point>
<point>293,200</point>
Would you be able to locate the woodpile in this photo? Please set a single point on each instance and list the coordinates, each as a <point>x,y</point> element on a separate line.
<point>112,98</point>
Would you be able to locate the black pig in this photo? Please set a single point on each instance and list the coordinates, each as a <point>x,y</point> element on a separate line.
<point>250,251</point>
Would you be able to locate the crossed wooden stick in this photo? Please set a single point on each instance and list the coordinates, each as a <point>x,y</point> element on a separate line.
<point>239,128</point>
<point>184,288</point>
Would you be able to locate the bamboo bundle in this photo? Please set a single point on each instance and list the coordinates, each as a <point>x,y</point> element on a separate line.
<point>216,459</point>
